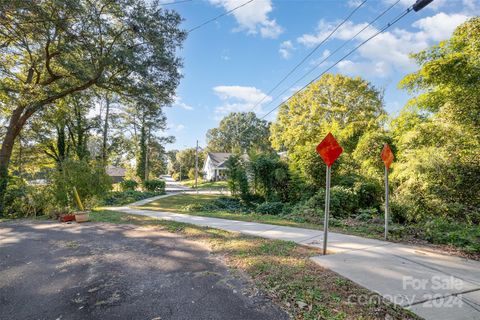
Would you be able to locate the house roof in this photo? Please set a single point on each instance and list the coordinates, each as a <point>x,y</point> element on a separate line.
<point>116,171</point>
<point>218,159</point>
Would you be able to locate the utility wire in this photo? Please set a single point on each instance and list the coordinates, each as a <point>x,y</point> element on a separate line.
<point>398,18</point>
<point>307,56</point>
<point>335,51</point>
<point>219,16</point>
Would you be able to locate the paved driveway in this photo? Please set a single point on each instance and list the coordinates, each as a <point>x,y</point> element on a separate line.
<point>103,271</point>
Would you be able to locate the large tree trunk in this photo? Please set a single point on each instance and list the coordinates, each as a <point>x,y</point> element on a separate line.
<point>16,123</point>
<point>105,130</point>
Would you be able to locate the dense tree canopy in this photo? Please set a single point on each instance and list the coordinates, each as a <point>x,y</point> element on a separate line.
<point>239,132</point>
<point>50,50</point>
<point>334,102</point>
<point>438,133</point>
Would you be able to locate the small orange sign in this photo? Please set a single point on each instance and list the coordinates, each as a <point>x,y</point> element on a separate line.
<point>329,149</point>
<point>387,155</point>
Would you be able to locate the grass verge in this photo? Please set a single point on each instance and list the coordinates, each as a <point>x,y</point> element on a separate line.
<point>413,234</point>
<point>282,270</point>
<point>210,185</point>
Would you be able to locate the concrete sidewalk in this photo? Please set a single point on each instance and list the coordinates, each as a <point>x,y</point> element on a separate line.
<point>433,286</point>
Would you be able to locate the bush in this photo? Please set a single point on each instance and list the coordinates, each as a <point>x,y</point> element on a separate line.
<point>23,200</point>
<point>128,185</point>
<point>117,198</point>
<point>91,181</point>
<point>369,194</point>
<point>154,185</point>
<point>453,233</point>
<point>367,214</point>
<point>273,208</point>
<point>191,174</point>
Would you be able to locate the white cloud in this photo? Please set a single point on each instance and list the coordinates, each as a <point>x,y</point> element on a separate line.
<point>253,17</point>
<point>286,48</point>
<point>440,26</point>
<point>174,128</point>
<point>177,102</point>
<point>240,99</point>
<point>345,32</point>
<point>389,51</point>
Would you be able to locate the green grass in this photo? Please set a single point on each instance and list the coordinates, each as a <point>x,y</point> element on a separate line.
<point>375,230</point>
<point>209,185</point>
<point>178,202</point>
<point>281,269</point>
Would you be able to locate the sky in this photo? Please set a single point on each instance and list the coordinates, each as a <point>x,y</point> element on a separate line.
<point>232,64</point>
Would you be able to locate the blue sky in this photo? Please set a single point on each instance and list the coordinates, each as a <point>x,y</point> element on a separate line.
<point>230,64</point>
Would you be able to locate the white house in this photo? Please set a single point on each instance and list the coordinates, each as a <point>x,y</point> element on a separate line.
<point>214,168</point>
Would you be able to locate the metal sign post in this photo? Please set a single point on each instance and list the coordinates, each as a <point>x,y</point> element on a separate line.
<point>327,211</point>
<point>386,203</point>
<point>387,157</point>
<point>329,150</point>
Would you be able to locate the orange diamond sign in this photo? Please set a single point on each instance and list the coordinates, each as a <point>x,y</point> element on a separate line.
<point>329,149</point>
<point>387,155</point>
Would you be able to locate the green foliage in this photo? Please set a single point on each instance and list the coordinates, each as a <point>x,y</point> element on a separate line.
<point>116,198</point>
<point>341,104</point>
<point>237,176</point>
<point>28,201</point>
<point>91,181</point>
<point>271,177</point>
<point>128,185</point>
<point>367,214</point>
<point>369,194</point>
<point>48,54</point>
<point>438,133</point>
<point>458,234</point>
<point>191,174</point>
<point>154,185</point>
<point>184,163</point>
<point>227,204</point>
<point>239,132</point>
<point>273,208</point>
<point>367,153</point>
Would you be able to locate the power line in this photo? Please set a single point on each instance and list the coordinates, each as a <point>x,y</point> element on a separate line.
<point>398,18</point>
<point>335,51</point>
<point>219,16</point>
<point>308,55</point>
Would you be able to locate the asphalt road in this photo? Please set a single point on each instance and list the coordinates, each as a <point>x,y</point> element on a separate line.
<point>102,271</point>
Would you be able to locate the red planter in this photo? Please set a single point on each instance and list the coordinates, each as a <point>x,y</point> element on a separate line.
<point>67,217</point>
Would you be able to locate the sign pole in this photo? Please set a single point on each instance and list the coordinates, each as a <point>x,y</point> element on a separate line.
<point>327,211</point>
<point>386,202</point>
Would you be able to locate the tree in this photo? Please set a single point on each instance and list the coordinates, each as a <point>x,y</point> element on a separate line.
<point>50,50</point>
<point>237,176</point>
<point>438,133</point>
<point>239,132</point>
<point>185,161</point>
<point>347,107</point>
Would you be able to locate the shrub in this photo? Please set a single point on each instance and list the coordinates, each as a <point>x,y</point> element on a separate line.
<point>343,203</point>
<point>23,200</point>
<point>367,214</point>
<point>369,194</point>
<point>191,174</point>
<point>154,185</point>
<point>91,181</point>
<point>453,233</point>
<point>128,185</point>
<point>273,208</point>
